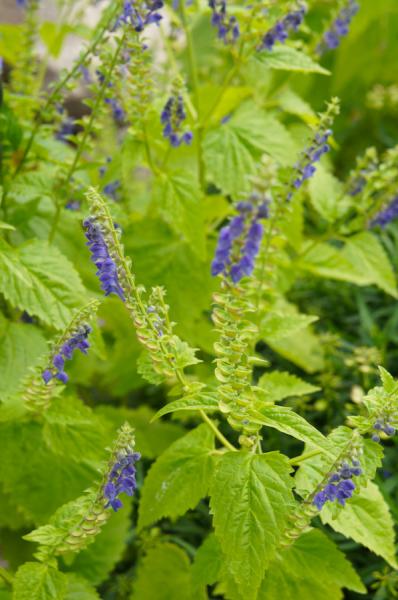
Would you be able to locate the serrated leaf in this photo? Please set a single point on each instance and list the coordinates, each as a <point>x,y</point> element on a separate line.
<point>365,253</point>
<point>25,456</point>
<point>207,564</point>
<point>251,500</point>
<point>196,402</point>
<point>286,58</point>
<point>279,385</point>
<point>80,589</point>
<point>72,429</point>
<point>284,419</point>
<point>326,194</point>
<point>179,201</point>
<point>312,568</point>
<point>37,278</point>
<point>146,369</point>
<point>38,581</point>
<point>367,520</point>
<point>100,557</point>
<point>278,325</point>
<point>179,478</point>
<point>22,347</point>
<point>164,574</point>
<point>231,151</point>
<point>184,355</point>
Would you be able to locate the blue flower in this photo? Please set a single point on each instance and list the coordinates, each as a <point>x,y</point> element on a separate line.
<point>228,27</point>
<point>305,168</point>
<point>121,479</point>
<point>384,425</point>
<point>239,241</point>
<point>77,341</point>
<point>280,31</point>
<point>111,189</point>
<point>340,486</point>
<point>107,269</point>
<point>172,117</point>
<point>117,110</point>
<point>385,216</point>
<point>339,28</point>
<point>140,13</point>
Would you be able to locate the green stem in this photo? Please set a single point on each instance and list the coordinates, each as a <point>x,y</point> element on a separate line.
<point>303,457</point>
<point>8,578</point>
<point>195,89</point>
<point>217,432</point>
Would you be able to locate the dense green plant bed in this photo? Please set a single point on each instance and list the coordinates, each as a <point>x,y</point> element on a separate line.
<point>198,254</point>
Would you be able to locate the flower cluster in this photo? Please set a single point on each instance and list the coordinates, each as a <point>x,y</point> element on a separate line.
<point>121,479</point>
<point>228,27</point>
<point>140,13</point>
<point>172,117</point>
<point>339,27</point>
<point>77,341</point>
<point>117,110</point>
<point>388,214</point>
<point>340,486</point>
<point>383,425</point>
<point>366,165</point>
<point>312,155</point>
<point>280,31</point>
<point>239,241</point>
<point>107,269</point>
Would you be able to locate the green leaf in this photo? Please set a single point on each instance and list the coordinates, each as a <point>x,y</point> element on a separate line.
<point>37,278</point>
<point>24,456</point>
<point>367,520</point>
<point>284,419</point>
<point>196,402</point>
<point>207,564</point>
<point>180,203</point>
<point>277,325</point>
<point>38,581</point>
<point>327,195</point>
<point>279,385</point>
<point>312,568</point>
<point>22,347</point>
<point>80,589</point>
<point>100,557</point>
<point>251,500</point>
<point>365,253</point>
<point>286,58</point>
<point>184,355</point>
<point>303,350</point>
<point>164,574</point>
<point>152,439</point>
<point>231,151</point>
<point>72,429</point>
<point>179,478</point>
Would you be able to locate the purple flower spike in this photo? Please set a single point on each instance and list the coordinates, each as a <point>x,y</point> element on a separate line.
<point>339,28</point>
<point>280,31</point>
<point>172,117</point>
<point>121,480</point>
<point>228,27</point>
<point>340,486</point>
<point>107,270</point>
<point>385,216</point>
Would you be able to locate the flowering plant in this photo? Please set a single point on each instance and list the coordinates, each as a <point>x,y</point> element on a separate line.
<point>198,247</point>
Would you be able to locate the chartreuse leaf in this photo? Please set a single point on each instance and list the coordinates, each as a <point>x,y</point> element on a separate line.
<point>25,455</point>
<point>367,520</point>
<point>251,500</point>
<point>232,150</point>
<point>286,58</point>
<point>303,350</point>
<point>179,478</point>
<point>80,589</point>
<point>207,564</point>
<point>326,194</point>
<point>48,289</point>
<point>164,574</point>
<point>196,402</point>
<point>179,201</point>
<point>279,385</point>
<point>99,558</point>
<point>284,419</point>
<point>312,568</point>
<point>362,261</point>
<point>39,581</point>
<point>277,325</point>
<point>73,429</point>
<point>21,347</point>
<point>365,253</point>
